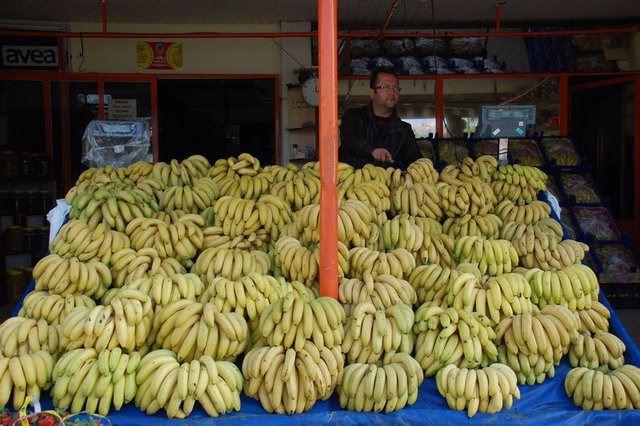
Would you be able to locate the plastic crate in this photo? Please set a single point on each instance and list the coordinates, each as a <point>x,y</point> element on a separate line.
<point>596,224</point>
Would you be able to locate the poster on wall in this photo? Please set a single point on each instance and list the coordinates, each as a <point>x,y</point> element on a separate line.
<point>159,55</point>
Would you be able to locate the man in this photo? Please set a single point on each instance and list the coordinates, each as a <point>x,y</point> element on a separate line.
<point>375,134</point>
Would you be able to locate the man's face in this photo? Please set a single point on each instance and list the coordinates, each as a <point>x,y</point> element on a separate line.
<point>386,93</point>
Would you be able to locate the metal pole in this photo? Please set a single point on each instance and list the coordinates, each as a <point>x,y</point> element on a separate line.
<point>104,16</point>
<point>328,141</point>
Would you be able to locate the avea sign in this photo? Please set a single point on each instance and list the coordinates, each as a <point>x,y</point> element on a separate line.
<point>30,56</point>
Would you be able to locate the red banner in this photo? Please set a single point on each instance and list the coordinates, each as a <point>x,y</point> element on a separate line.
<point>159,55</point>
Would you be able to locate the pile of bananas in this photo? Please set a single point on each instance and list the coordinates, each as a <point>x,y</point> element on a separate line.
<point>431,282</point>
<point>128,265</point>
<point>113,207</point>
<point>383,292</point>
<point>76,239</point>
<point>532,343</point>
<point>534,237</point>
<point>297,317</point>
<point>601,349</point>
<point>192,330</point>
<point>398,262</point>
<point>486,226</point>
<point>289,381</point>
<point>483,168</point>
<point>71,276</point>
<point>89,380</point>
<point>190,199</point>
<point>249,296</point>
<point>422,170</point>
<point>417,199</point>
<point>593,319</point>
<point>387,387</point>
<point>230,263</point>
<point>373,193</point>
<point>164,383</point>
<point>399,232</point>
<point>300,191</point>
<point>244,165</point>
<point>471,196</point>
<point>575,287</point>
<point>26,376</point>
<point>518,183</point>
<point>277,174</point>
<point>137,170</point>
<point>238,216</point>
<point>181,173</point>
<point>529,213</point>
<point>107,174</point>
<point>348,176</point>
<point>354,222</point>
<point>372,333</point>
<point>125,321</point>
<point>494,257</point>
<point>452,336</point>
<point>437,249</point>
<point>174,215</point>
<point>180,241</point>
<point>163,290</point>
<point>53,308</point>
<point>565,253</point>
<point>296,262</point>
<point>245,186</point>
<point>427,225</point>
<point>498,297</point>
<point>482,390</point>
<point>20,336</point>
<point>597,390</point>
<point>214,238</point>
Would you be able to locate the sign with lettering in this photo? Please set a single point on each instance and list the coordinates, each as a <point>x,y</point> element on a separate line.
<point>30,56</point>
<point>159,55</point>
<point>122,109</point>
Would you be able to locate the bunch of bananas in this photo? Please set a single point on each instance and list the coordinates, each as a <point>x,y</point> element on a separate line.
<point>89,380</point>
<point>125,321</point>
<point>427,225</point>
<point>129,265</point>
<point>113,207</point>
<point>179,241</point>
<point>105,175</point>
<point>597,390</point>
<point>545,234</point>
<point>296,262</point>
<point>26,376</point>
<point>348,176</point>
<point>601,349</point>
<point>372,333</point>
<point>486,226</point>
<point>417,199</point>
<point>565,253</point>
<point>469,196</point>
<point>482,390</point>
<point>138,170</point>
<point>400,232</point>
<point>575,287</point>
<point>431,282</point>
<point>76,239</point>
<point>422,170</point>
<point>482,168</point>
<point>181,173</point>
<point>398,262</point>
<point>153,187</point>
<point>53,308</point>
<point>164,383</point>
<point>527,214</point>
<point>373,193</point>
<point>389,387</point>
<point>498,297</point>
<point>300,191</point>
<point>437,249</point>
<point>163,290</point>
<point>593,319</point>
<point>494,257</point>
<point>383,292</point>
<point>289,381</point>
<point>354,222</point>
<point>174,215</point>
<point>249,296</point>
<point>190,199</point>
<point>518,183</point>
<point>214,238</point>
<point>297,317</point>
<point>452,336</point>
<point>20,336</point>
<point>238,216</point>
<point>192,330</point>
<point>230,263</point>
<point>532,343</point>
<point>452,151</point>
<point>277,174</point>
<point>245,164</point>
<point>248,187</point>
<point>71,276</point>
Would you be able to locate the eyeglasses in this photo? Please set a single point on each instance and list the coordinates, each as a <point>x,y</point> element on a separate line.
<point>389,89</point>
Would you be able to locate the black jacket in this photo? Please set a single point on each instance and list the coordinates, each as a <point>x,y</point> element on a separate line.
<point>360,135</point>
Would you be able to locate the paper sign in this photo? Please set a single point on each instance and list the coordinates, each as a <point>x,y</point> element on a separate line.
<point>159,55</point>
<point>122,109</point>
<point>496,131</point>
<point>503,149</point>
<point>118,149</point>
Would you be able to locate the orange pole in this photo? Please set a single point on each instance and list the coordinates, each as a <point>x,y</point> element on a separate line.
<point>328,141</point>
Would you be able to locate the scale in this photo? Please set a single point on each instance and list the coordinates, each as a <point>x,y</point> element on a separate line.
<point>506,121</point>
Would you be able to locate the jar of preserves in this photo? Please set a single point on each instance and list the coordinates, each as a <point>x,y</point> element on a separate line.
<point>14,239</point>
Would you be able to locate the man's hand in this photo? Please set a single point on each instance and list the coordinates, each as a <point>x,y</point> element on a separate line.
<point>382,155</point>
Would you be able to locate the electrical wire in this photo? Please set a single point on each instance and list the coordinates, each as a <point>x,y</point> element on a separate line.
<point>304,67</point>
<point>529,90</point>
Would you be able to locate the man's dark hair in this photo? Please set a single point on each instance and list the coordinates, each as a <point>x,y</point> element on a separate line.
<point>373,82</point>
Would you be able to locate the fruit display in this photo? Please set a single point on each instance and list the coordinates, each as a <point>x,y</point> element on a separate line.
<point>289,381</point>
<point>190,199</point>
<point>77,239</point>
<point>469,196</point>
<point>164,383</point>
<point>487,226</point>
<point>417,199</point>
<point>230,263</point>
<point>19,336</point>
<point>387,387</point>
<point>560,151</point>
<point>595,351</point>
<point>575,287</point>
<point>67,277</point>
<point>517,183</point>
<point>238,216</point>
<point>431,282</point>
<point>593,319</point>
<point>299,192</point>
<point>525,152</point>
<point>399,232</point>
<point>452,151</point>
<point>398,262</point>
<point>373,193</point>
<point>214,237</point>
<point>565,253</point>
<point>598,390</point>
<point>481,390</point>
<point>128,265</point>
<point>383,292</point>
<point>86,379</point>
<point>528,214</point>
<point>26,375</point>
<point>437,249</point>
<point>52,308</point>
<point>180,240</point>
<point>597,223</point>
<point>494,257</point>
<point>422,170</point>
<point>532,238</point>
<point>579,188</point>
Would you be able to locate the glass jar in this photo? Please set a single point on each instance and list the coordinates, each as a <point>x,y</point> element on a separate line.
<point>25,166</point>
<point>8,165</point>
<point>14,285</point>
<point>14,239</point>
<point>43,162</point>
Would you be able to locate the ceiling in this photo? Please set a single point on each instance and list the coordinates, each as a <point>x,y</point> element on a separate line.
<point>352,13</point>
